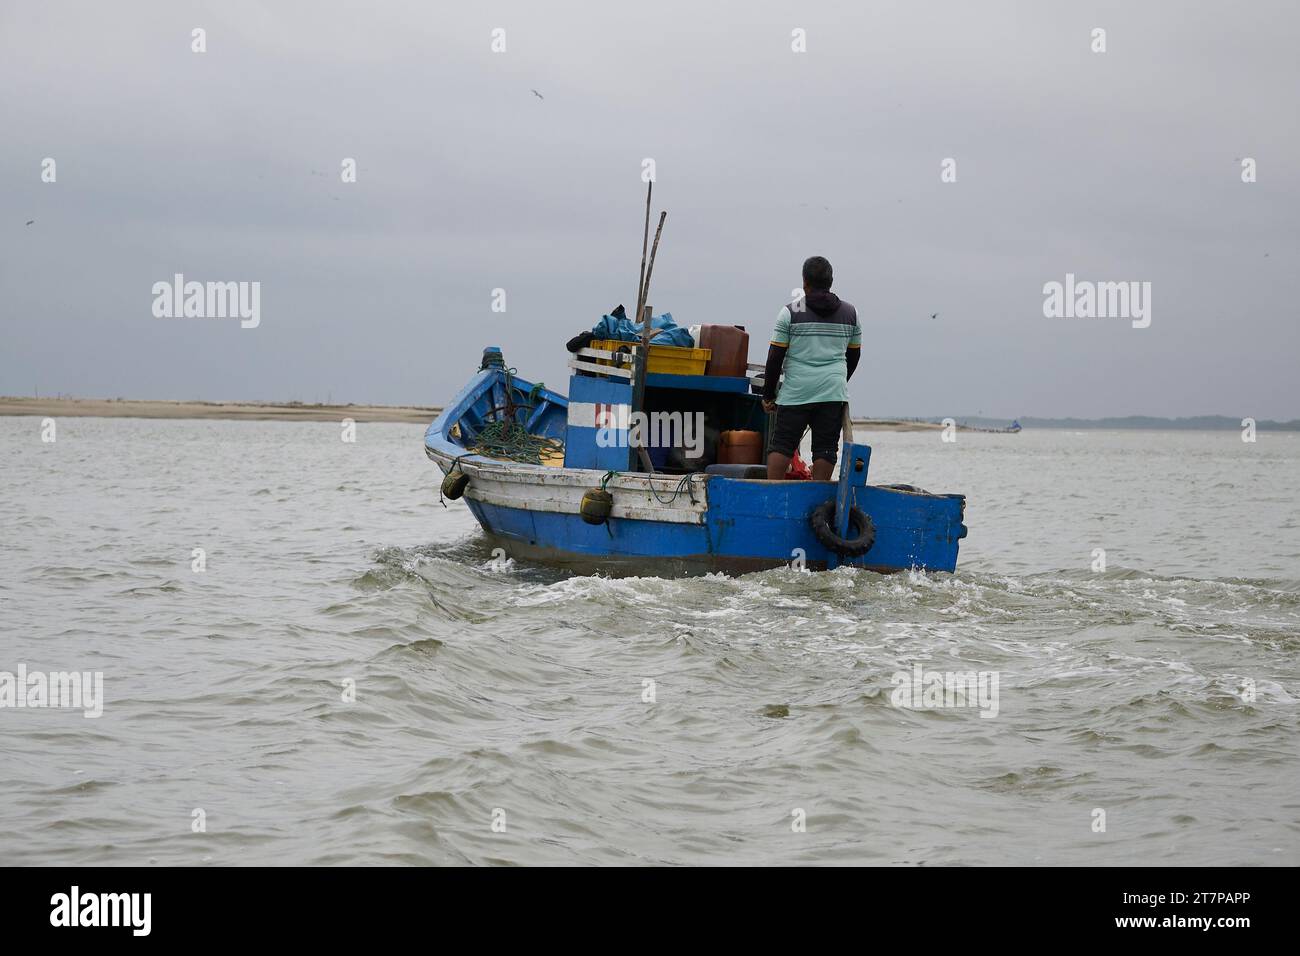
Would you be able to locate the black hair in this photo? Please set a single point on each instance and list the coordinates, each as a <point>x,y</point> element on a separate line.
<point>817,273</point>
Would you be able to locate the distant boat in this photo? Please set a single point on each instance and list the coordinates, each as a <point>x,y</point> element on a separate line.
<point>528,463</point>
<point>1009,430</point>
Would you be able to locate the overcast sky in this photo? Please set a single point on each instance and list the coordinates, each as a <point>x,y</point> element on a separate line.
<point>225,165</point>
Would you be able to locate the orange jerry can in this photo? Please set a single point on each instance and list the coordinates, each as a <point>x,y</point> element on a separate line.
<point>728,349</point>
<point>740,447</point>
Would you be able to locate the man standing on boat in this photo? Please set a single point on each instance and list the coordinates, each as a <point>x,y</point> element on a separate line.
<point>818,341</point>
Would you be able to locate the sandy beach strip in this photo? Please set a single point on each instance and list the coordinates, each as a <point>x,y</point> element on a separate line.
<point>245,411</point>
<point>894,425</point>
<point>288,412</point>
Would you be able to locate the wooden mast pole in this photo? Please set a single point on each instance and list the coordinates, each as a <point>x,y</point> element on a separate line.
<point>639,454</point>
<point>634,455</point>
<point>645,244</point>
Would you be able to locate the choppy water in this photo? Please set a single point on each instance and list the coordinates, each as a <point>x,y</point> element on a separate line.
<point>520,689</point>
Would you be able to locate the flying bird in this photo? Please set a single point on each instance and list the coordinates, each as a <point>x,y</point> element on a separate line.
<point>538,95</point>
<point>30,221</point>
<point>934,315</point>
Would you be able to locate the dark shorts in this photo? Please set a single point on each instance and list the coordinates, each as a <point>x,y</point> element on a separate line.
<point>826,419</point>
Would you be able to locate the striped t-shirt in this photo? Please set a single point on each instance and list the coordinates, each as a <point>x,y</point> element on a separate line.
<point>815,367</point>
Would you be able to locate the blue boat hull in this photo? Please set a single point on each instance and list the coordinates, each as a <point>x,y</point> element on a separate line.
<point>731,543</point>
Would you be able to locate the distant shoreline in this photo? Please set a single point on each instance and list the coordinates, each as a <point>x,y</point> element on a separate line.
<point>227,411</point>
<point>424,414</point>
<point>283,411</point>
<point>287,412</point>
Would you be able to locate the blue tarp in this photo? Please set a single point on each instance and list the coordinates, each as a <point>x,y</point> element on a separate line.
<point>625,330</point>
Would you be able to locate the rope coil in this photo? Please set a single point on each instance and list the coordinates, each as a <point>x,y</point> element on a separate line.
<point>509,439</point>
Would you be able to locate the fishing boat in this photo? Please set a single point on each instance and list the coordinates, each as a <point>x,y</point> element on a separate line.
<point>565,479</point>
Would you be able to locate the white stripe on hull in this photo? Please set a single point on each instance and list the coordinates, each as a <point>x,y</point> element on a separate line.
<point>560,490</point>
<point>599,415</point>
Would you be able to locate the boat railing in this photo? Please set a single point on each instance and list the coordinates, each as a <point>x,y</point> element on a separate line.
<point>584,360</point>
<point>622,367</point>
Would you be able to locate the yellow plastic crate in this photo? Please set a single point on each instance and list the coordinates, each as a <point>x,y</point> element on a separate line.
<point>664,359</point>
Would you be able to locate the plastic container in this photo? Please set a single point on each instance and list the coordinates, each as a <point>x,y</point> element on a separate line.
<point>664,359</point>
<point>728,346</point>
<point>739,447</point>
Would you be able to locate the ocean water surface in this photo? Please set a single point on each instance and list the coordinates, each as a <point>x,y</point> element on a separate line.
<point>500,710</point>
